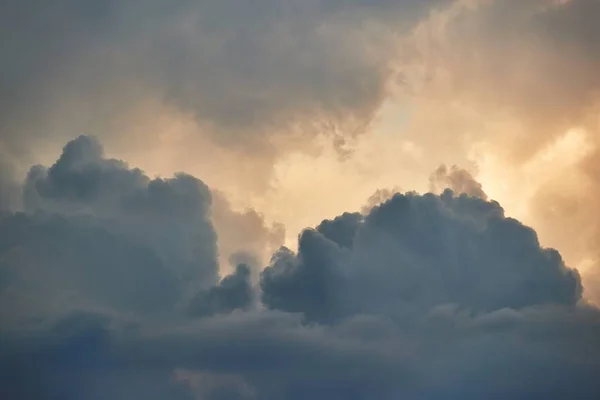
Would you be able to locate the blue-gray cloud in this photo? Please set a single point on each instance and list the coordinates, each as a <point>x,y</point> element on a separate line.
<point>170,215</point>
<point>416,252</point>
<point>109,289</point>
<point>446,354</point>
<point>9,189</point>
<point>100,234</point>
<point>233,292</point>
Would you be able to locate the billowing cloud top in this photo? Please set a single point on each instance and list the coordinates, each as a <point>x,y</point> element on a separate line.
<point>416,252</point>
<point>110,289</point>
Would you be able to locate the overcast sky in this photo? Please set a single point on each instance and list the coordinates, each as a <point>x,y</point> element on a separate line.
<point>300,199</point>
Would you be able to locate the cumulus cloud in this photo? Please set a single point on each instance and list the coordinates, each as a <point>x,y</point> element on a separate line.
<point>507,81</point>
<point>100,234</point>
<point>423,296</point>
<point>415,252</point>
<point>110,288</point>
<point>169,215</point>
<point>233,292</point>
<point>109,280</point>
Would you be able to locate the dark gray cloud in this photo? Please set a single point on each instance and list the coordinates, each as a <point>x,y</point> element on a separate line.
<point>10,192</point>
<point>170,215</point>
<point>109,289</point>
<point>244,237</point>
<point>341,229</point>
<point>100,234</point>
<point>447,354</point>
<point>233,292</point>
<point>51,262</point>
<point>414,252</point>
<point>82,180</point>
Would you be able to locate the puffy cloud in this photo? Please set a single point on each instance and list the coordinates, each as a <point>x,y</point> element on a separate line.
<point>72,358</point>
<point>170,215</point>
<point>423,296</point>
<point>341,229</point>
<point>102,235</point>
<point>413,253</point>
<point>457,179</point>
<point>517,79</point>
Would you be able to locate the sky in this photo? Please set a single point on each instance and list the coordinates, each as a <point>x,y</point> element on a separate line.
<point>300,199</point>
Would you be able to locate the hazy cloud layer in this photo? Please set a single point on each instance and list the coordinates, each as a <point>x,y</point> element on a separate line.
<point>246,71</point>
<point>171,215</point>
<point>271,355</point>
<point>423,296</point>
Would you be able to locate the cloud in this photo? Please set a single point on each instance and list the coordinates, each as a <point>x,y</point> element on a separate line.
<point>247,72</point>
<point>50,263</point>
<point>244,237</point>
<point>510,59</point>
<point>170,215</point>
<point>457,179</point>
<point>341,229</point>
<point>72,359</point>
<point>102,235</point>
<point>424,296</point>
<point>109,288</point>
<point>233,292</point>
<point>272,355</point>
<point>508,81</point>
<point>9,189</point>
<point>414,252</point>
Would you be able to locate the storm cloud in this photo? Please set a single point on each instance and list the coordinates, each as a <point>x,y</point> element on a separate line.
<point>116,283</point>
<point>422,296</point>
<point>100,234</point>
<point>415,252</point>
